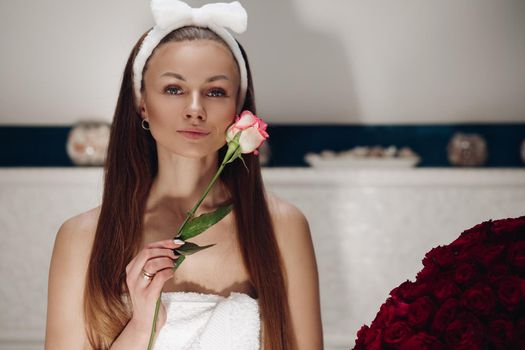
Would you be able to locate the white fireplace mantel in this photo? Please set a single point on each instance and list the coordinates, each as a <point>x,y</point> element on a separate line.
<point>370,228</point>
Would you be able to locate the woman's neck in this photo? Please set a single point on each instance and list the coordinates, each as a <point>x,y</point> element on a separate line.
<point>180,183</point>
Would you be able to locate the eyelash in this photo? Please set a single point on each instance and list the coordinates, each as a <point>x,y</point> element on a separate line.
<point>172,88</point>
<point>213,90</point>
<point>221,91</point>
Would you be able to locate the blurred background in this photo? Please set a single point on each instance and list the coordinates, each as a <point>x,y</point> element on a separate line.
<point>404,119</point>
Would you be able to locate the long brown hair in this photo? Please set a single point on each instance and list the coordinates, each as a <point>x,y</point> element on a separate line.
<point>129,171</point>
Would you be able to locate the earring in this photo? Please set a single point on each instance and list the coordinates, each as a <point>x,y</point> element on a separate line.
<point>145,126</point>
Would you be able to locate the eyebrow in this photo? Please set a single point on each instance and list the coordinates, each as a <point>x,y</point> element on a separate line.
<point>209,80</point>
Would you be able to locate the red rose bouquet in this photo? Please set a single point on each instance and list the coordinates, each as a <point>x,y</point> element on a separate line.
<point>470,294</point>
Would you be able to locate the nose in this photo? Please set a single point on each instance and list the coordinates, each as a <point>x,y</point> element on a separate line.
<point>195,109</point>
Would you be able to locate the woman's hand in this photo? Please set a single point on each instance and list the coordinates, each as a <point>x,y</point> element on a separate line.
<point>156,260</point>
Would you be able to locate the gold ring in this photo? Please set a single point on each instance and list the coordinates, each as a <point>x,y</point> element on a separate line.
<point>147,276</point>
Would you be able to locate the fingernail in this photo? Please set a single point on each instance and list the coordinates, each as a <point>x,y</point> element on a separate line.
<point>178,241</point>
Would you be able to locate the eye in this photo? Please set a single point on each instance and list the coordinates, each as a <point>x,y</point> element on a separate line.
<point>217,92</point>
<point>173,90</point>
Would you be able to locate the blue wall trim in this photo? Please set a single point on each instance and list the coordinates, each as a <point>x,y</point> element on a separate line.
<point>290,142</point>
<point>40,146</point>
<point>45,146</point>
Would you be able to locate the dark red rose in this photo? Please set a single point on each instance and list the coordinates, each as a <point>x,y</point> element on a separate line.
<point>487,255</point>
<point>386,313</point>
<point>465,274</point>
<point>428,272</point>
<point>373,339</point>
<point>360,339</point>
<point>465,333</point>
<point>430,257</point>
<point>443,256</point>
<point>397,333</point>
<point>368,339</point>
<point>409,291</point>
<point>496,273</point>
<point>420,312</point>
<point>516,255</point>
<point>520,330</point>
<point>422,341</point>
<point>509,225</point>
<point>501,334</point>
<point>479,299</point>
<point>467,253</point>
<point>401,309</point>
<point>510,292</point>
<point>445,289</point>
<point>445,315</point>
<point>473,235</point>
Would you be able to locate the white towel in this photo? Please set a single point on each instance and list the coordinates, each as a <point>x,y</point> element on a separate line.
<point>197,321</point>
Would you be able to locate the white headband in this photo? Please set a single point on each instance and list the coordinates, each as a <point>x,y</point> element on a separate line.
<point>173,14</point>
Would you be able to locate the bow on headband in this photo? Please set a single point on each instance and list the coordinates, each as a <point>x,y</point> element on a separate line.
<point>175,13</point>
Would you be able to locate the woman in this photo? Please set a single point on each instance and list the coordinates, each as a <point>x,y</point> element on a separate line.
<point>182,86</point>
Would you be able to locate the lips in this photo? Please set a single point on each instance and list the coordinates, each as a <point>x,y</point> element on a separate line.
<point>193,133</point>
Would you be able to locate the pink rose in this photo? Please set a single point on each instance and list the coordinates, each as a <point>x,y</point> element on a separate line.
<point>252,132</point>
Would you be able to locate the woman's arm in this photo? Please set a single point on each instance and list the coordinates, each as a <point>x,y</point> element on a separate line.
<point>65,328</point>
<point>69,261</point>
<point>295,243</point>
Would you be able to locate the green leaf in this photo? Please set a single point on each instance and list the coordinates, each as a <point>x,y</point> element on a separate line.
<point>248,170</point>
<point>190,248</point>
<point>179,261</point>
<point>202,222</point>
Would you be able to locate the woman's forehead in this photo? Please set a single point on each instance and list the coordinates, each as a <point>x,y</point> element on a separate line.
<point>196,58</point>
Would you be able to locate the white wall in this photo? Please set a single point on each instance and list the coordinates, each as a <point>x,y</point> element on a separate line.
<point>344,61</point>
<point>366,236</point>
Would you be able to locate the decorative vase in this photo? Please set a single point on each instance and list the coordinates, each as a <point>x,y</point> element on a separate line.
<point>87,143</point>
<point>467,150</point>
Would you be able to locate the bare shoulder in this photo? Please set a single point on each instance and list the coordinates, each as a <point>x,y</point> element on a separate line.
<point>295,243</point>
<point>291,227</point>
<point>76,234</point>
<point>75,237</point>
<point>67,272</point>
<point>81,225</point>
<point>285,215</point>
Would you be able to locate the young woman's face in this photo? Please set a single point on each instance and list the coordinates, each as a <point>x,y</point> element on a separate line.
<point>190,96</point>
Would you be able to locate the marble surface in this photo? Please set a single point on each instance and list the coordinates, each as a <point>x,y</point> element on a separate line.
<point>370,228</point>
